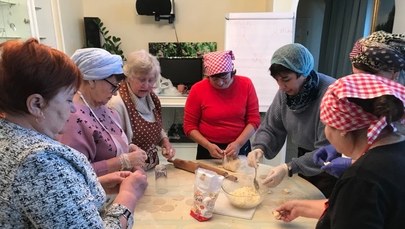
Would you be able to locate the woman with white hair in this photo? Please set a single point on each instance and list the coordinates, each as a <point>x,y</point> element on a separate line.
<point>358,111</point>
<point>139,107</point>
<point>94,129</point>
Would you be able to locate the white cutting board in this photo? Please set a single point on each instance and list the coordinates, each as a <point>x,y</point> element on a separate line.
<point>224,207</point>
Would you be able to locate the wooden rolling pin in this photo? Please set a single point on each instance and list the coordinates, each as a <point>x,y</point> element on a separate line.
<point>191,166</point>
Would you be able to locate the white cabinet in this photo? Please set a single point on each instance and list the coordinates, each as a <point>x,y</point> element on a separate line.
<point>47,24</point>
<point>14,20</point>
<point>44,20</point>
<point>185,151</point>
<point>172,101</point>
<point>172,112</point>
<point>19,19</point>
<point>22,19</point>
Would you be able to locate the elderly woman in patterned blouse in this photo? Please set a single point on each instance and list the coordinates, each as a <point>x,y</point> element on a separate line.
<point>94,129</point>
<point>140,109</point>
<point>43,183</point>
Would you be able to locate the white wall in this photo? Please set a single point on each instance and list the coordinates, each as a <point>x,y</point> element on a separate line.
<point>196,20</point>
<point>71,16</point>
<point>60,24</point>
<point>285,5</point>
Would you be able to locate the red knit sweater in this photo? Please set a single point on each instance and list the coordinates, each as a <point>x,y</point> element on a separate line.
<point>221,114</point>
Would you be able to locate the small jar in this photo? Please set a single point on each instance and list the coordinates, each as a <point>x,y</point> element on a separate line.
<point>161,179</point>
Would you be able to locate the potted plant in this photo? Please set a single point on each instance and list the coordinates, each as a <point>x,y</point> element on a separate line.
<point>110,43</point>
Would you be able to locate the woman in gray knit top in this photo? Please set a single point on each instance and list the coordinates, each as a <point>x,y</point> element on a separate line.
<point>294,112</point>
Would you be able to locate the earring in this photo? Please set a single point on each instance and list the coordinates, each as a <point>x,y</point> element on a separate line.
<point>41,117</point>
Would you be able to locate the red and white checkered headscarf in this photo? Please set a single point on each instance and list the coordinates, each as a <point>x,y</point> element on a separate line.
<point>340,113</point>
<point>218,62</point>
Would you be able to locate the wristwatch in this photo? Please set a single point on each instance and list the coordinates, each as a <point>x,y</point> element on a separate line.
<point>127,214</point>
<point>118,210</point>
<point>289,169</point>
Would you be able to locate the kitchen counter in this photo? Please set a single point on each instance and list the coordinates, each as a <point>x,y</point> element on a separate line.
<point>171,210</point>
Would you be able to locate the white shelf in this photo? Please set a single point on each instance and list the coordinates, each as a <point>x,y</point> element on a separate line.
<point>185,151</point>
<point>172,101</point>
<point>10,37</point>
<point>5,3</point>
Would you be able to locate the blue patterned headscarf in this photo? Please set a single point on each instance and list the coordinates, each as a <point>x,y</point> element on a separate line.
<point>97,64</point>
<point>295,57</point>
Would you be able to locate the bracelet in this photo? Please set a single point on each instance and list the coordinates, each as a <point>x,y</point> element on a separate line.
<point>125,162</point>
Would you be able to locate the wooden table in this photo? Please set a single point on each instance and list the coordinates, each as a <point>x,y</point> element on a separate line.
<point>172,209</point>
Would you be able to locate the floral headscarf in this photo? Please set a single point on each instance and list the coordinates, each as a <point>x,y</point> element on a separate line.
<point>380,51</point>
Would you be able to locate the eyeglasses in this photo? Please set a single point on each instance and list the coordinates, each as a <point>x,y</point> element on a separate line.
<point>115,87</point>
<point>223,77</point>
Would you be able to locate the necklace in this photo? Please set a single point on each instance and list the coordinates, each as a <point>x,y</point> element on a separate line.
<point>120,141</point>
<point>92,112</point>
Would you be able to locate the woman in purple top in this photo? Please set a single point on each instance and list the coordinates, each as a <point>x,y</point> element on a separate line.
<point>94,129</point>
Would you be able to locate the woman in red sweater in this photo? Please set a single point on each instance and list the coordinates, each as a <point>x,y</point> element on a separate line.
<point>222,110</point>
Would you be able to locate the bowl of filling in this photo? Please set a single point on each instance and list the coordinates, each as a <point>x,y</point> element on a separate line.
<point>242,193</point>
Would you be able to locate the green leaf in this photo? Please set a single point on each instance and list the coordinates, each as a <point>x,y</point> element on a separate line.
<point>110,43</point>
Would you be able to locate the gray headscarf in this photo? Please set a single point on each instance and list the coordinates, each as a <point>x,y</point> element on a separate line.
<point>294,57</point>
<point>96,63</point>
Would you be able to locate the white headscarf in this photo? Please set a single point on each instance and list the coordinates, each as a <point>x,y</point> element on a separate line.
<point>96,63</point>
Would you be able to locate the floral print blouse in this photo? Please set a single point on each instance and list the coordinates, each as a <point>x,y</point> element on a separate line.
<point>85,134</point>
<point>45,184</point>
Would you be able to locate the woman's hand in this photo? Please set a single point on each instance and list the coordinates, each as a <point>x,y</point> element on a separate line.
<point>134,185</point>
<point>215,151</point>
<point>276,175</point>
<point>232,150</point>
<point>293,209</point>
<point>137,156</point>
<point>167,149</point>
<point>254,157</point>
<point>111,181</point>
